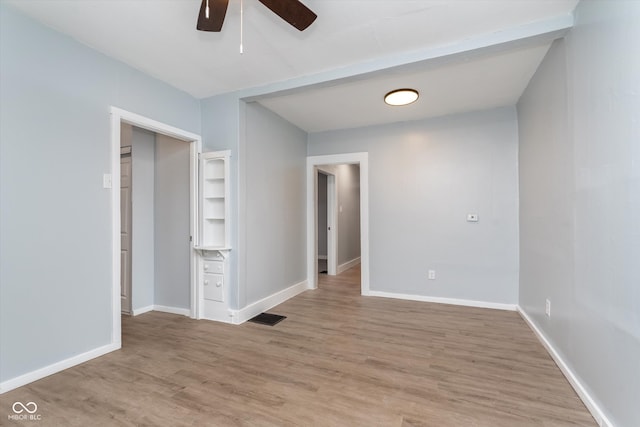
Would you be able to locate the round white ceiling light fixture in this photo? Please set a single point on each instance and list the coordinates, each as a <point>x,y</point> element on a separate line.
<point>401,97</point>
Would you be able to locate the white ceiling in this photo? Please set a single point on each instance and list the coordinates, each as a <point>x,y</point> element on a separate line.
<point>486,81</point>
<point>159,38</point>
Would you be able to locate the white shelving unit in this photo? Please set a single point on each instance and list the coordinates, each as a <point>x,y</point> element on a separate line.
<point>214,206</point>
<point>213,240</point>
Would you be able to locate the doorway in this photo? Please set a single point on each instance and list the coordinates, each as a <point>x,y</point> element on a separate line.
<point>327,230</point>
<point>154,222</point>
<point>118,117</point>
<point>325,163</point>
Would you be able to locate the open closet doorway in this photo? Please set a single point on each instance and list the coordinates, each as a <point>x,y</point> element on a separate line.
<point>355,250</point>
<point>155,212</point>
<point>154,217</point>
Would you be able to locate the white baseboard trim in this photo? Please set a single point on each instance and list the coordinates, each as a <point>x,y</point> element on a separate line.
<point>253,309</point>
<point>172,310</point>
<point>347,265</point>
<point>591,404</point>
<point>440,300</point>
<point>38,374</point>
<point>162,308</point>
<point>137,311</point>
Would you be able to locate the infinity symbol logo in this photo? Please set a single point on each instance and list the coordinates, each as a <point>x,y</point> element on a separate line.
<point>30,407</point>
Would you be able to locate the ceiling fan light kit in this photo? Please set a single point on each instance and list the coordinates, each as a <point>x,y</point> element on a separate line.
<point>401,97</point>
<point>212,13</point>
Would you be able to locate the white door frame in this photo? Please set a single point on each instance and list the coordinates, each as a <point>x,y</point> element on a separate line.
<point>119,116</point>
<point>312,221</point>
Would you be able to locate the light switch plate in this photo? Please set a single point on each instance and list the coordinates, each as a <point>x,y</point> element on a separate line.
<point>472,217</point>
<point>547,307</point>
<point>106,180</point>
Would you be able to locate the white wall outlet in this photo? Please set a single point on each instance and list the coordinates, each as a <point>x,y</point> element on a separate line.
<point>432,275</point>
<point>472,217</point>
<point>547,307</point>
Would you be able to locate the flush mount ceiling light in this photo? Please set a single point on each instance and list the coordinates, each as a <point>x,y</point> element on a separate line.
<point>401,97</point>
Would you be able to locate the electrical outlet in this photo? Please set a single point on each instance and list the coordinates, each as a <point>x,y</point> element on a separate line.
<point>547,308</point>
<point>432,275</point>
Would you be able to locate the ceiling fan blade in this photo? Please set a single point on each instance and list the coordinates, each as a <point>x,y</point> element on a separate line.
<point>217,11</point>
<point>292,11</point>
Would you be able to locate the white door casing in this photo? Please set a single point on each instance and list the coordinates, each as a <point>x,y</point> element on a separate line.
<point>117,117</point>
<point>313,162</point>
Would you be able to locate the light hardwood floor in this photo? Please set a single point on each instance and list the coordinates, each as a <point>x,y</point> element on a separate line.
<point>339,359</point>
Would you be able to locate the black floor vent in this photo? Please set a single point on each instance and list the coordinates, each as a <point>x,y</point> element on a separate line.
<point>267,319</point>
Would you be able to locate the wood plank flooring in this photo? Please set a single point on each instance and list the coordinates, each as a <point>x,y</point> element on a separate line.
<point>339,359</point>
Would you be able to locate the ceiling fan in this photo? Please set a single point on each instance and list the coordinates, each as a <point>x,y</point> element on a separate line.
<point>212,12</point>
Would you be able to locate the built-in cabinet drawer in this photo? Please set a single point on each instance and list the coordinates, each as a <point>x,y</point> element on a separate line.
<point>212,267</point>
<point>213,286</point>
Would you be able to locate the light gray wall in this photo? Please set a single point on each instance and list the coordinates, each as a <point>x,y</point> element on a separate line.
<point>580,198</point>
<point>275,215</point>
<point>143,153</point>
<point>322,214</point>
<point>55,223</point>
<point>424,177</point>
<point>348,187</point>
<point>172,246</point>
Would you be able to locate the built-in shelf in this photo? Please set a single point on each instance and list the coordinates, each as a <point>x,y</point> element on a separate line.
<point>213,237</point>
<point>204,249</point>
<point>211,248</point>
<point>214,228</point>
